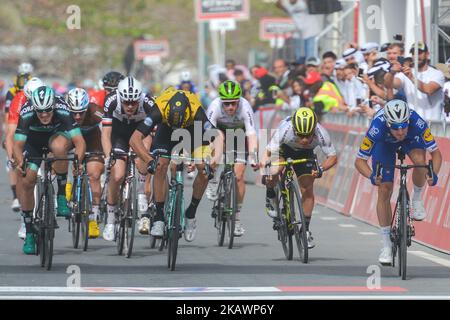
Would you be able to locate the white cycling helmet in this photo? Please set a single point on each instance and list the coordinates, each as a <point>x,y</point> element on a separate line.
<point>32,84</point>
<point>25,68</point>
<point>185,76</point>
<point>78,100</point>
<point>129,89</point>
<point>396,114</point>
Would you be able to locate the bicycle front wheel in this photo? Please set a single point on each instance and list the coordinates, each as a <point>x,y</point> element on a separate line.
<point>281,224</point>
<point>174,229</point>
<point>49,226</point>
<point>85,211</point>
<point>403,232</point>
<point>75,216</point>
<point>231,207</point>
<point>131,217</point>
<point>220,219</point>
<point>297,221</point>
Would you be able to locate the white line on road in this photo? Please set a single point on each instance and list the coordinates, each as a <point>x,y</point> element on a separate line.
<point>367,233</point>
<point>262,297</point>
<point>422,254</point>
<point>328,218</point>
<point>346,225</point>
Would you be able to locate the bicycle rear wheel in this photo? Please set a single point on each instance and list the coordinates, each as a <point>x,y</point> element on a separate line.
<point>403,231</point>
<point>297,221</point>
<point>281,224</point>
<point>174,229</point>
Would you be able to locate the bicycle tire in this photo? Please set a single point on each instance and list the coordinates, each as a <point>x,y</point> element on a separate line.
<point>404,235</point>
<point>41,230</point>
<point>119,228</point>
<point>232,206</point>
<point>85,211</point>
<point>37,212</point>
<point>220,220</point>
<point>75,216</point>
<point>297,219</point>
<point>131,217</point>
<point>175,229</point>
<point>151,213</point>
<point>283,235</point>
<point>49,216</point>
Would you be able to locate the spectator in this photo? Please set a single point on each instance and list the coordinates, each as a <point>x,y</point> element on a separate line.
<point>230,65</point>
<point>312,64</point>
<point>281,71</point>
<point>356,91</point>
<point>296,100</point>
<point>395,50</point>
<point>328,64</point>
<point>430,82</point>
<point>266,81</point>
<point>245,84</point>
<point>308,25</point>
<point>321,95</point>
<point>370,53</point>
<point>339,79</point>
<point>445,69</point>
<point>354,56</point>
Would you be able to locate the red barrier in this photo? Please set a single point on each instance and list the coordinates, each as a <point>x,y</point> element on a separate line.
<point>345,190</point>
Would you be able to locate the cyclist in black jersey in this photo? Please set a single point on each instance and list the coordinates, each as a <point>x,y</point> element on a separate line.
<point>46,124</point>
<point>125,109</point>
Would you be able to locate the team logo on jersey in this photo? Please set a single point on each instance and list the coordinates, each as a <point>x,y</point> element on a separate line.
<point>148,122</point>
<point>427,136</point>
<point>366,144</point>
<point>374,131</point>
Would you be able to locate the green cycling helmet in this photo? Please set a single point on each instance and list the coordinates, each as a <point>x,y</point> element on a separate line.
<point>230,91</point>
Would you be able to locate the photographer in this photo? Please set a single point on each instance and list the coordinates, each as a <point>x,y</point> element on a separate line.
<point>429,84</point>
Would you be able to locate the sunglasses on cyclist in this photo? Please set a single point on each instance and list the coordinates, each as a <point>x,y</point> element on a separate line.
<point>397,126</point>
<point>230,103</point>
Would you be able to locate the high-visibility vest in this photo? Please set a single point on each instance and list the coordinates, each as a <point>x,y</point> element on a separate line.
<point>330,97</point>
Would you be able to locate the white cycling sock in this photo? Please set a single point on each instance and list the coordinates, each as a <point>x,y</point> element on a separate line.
<point>140,183</point>
<point>111,213</point>
<point>417,194</point>
<point>386,236</point>
<point>95,212</point>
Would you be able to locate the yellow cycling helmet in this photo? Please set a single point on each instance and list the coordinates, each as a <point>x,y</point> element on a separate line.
<point>304,121</point>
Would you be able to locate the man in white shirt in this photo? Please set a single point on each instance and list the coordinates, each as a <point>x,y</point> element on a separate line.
<point>309,25</point>
<point>430,82</point>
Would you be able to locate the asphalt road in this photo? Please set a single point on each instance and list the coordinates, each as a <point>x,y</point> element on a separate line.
<point>343,263</point>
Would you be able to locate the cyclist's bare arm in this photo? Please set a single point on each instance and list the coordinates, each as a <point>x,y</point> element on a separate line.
<point>106,140</point>
<point>9,140</point>
<point>136,142</point>
<point>18,152</point>
<point>363,167</point>
<point>80,147</point>
<point>329,162</point>
<point>436,157</point>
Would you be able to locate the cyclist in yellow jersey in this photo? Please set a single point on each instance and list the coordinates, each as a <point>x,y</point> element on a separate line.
<point>175,109</point>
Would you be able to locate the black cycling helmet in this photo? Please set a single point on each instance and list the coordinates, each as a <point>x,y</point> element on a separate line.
<point>178,110</point>
<point>111,80</point>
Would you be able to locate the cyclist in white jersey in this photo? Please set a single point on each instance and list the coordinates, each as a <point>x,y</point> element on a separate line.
<point>296,138</point>
<point>232,114</point>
